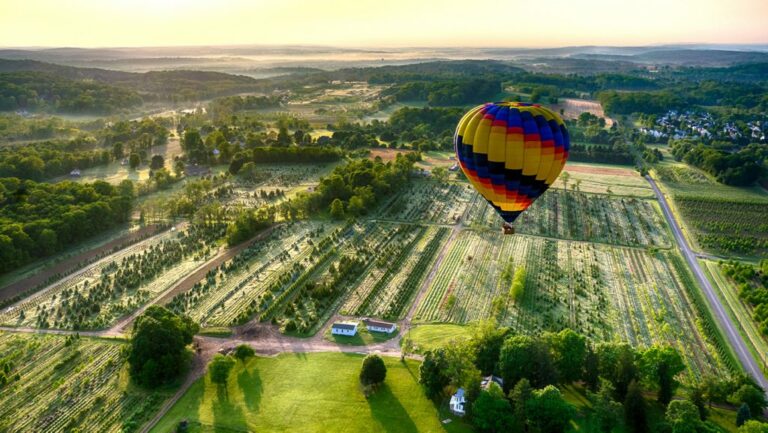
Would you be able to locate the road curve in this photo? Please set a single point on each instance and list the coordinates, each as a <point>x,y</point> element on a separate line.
<point>724,321</point>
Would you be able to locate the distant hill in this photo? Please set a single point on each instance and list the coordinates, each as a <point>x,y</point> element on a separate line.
<point>176,85</point>
<point>685,57</point>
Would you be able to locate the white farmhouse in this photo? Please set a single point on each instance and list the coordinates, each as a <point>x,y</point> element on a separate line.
<point>344,328</point>
<point>379,326</point>
<point>457,403</point>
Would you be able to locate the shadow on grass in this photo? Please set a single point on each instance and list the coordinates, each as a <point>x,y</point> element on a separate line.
<point>251,386</point>
<point>227,416</point>
<point>389,412</point>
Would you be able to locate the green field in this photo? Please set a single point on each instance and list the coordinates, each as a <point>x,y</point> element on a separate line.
<point>430,336</point>
<point>66,384</point>
<point>309,393</point>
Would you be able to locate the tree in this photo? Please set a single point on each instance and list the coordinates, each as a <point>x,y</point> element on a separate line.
<point>750,395</point>
<point>743,415</point>
<point>157,353</point>
<point>697,396</point>
<point>432,373</point>
<point>157,162</point>
<point>373,371</point>
<point>607,411</point>
<point>752,426</point>
<point>564,176</point>
<point>492,413</point>
<point>683,417</point>
<point>660,365</point>
<point>525,357</point>
<point>591,369</point>
<point>283,137</point>
<point>440,174</point>
<point>548,411</point>
<point>635,409</point>
<point>178,168</point>
<point>487,340</point>
<point>337,209</point>
<point>243,352</point>
<point>519,395</point>
<point>219,368</point>
<point>570,351</point>
<point>134,160</point>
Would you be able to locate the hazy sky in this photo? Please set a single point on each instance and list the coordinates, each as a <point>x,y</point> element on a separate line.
<point>520,23</point>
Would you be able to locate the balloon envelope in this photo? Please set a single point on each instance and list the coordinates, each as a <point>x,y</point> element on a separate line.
<point>511,152</point>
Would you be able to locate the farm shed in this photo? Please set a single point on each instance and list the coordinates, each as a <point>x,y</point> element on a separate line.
<point>379,326</point>
<point>344,328</point>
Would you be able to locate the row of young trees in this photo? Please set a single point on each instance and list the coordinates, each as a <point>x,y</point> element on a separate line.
<point>615,374</point>
<point>39,219</point>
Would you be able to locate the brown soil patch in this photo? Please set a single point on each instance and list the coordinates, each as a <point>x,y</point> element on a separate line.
<point>600,170</point>
<point>387,154</point>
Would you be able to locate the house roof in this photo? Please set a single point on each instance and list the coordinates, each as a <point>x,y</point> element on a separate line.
<point>378,323</point>
<point>345,326</point>
<point>488,379</point>
<point>459,393</point>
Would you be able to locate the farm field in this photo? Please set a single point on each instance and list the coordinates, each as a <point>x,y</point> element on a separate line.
<point>66,383</point>
<point>232,290</point>
<point>740,311</point>
<point>387,288</point>
<point>607,293</point>
<point>113,288</point>
<point>680,179</point>
<point>307,392</point>
<point>604,179</point>
<point>428,201</point>
<point>37,274</point>
<point>580,216</point>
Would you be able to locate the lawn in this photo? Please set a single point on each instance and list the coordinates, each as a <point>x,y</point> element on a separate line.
<point>429,336</point>
<point>308,393</point>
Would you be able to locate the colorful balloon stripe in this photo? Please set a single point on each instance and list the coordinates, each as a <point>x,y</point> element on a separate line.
<point>511,152</point>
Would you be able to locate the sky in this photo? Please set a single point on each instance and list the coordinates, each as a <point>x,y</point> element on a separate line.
<point>381,23</point>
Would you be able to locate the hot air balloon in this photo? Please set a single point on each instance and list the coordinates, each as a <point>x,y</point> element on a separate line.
<point>511,152</point>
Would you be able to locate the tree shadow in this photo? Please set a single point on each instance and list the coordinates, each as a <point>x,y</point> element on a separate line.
<point>227,416</point>
<point>389,412</point>
<point>250,384</point>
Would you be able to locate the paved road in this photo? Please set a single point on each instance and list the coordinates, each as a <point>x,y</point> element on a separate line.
<point>731,333</point>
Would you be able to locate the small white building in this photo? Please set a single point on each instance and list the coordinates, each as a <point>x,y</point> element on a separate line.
<point>344,328</point>
<point>379,326</point>
<point>457,403</point>
<point>75,173</point>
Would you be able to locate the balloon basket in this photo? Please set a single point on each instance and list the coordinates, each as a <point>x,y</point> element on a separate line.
<point>508,229</point>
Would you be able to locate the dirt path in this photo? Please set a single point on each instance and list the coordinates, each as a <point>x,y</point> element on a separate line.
<point>71,264</point>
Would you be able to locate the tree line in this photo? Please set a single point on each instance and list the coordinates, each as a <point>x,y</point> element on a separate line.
<point>741,168</point>
<point>615,375</point>
<point>40,219</point>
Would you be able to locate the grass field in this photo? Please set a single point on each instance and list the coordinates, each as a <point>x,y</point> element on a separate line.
<point>71,383</point>
<point>428,336</point>
<point>604,292</point>
<point>309,393</point>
